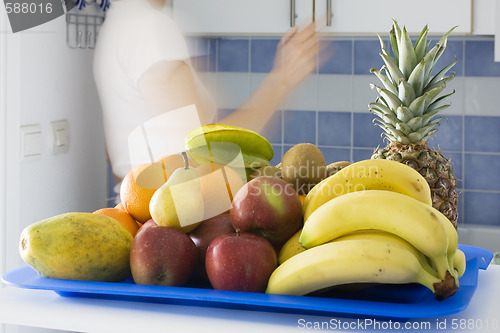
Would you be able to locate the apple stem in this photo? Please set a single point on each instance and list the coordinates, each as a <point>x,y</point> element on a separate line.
<point>238,232</point>
<point>186,161</point>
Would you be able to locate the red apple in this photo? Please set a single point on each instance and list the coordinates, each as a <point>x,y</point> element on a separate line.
<point>162,255</point>
<point>147,224</point>
<point>269,207</point>
<point>203,235</point>
<point>240,262</point>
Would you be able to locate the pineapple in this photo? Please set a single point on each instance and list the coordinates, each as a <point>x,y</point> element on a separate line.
<point>407,107</point>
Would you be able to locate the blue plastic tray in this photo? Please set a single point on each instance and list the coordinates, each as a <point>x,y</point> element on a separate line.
<point>394,301</point>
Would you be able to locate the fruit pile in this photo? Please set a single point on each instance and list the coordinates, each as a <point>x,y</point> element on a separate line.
<point>371,222</point>
<point>225,218</point>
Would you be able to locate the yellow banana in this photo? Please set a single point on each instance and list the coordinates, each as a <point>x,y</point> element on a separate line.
<point>290,248</point>
<point>372,174</point>
<point>418,223</point>
<point>351,261</point>
<point>312,193</point>
<point>452,243</point>
<point>293,247</point>
<point>459,262</point>
<point>379,235</point>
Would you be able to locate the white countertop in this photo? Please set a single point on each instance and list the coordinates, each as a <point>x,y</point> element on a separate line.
<point>48,310</point>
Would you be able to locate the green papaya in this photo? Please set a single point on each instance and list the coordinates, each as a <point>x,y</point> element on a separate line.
<point>78,246</point>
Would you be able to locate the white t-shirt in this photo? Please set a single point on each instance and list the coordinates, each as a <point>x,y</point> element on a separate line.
<point>134,36</point>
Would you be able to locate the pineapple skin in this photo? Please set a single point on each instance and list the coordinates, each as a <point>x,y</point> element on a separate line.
<point>434,167</point>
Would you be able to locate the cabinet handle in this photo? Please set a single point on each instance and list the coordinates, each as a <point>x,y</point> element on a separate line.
<point>314,11</point>
<point>329,13</point>
<point>293,14</point>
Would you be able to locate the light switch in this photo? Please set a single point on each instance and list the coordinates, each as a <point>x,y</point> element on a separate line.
<point>59,136</point>
<point>31,142</point>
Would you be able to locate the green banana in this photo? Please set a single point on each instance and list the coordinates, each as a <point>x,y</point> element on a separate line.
<point>373,174</point>
<point>223,144</point>
<point>416,222</point>
<point>351,261</point>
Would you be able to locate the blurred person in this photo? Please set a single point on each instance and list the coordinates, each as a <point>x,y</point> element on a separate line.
<point>142,69</point>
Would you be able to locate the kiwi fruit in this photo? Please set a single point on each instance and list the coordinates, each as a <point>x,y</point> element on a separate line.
<point>335,167</point>
<point>303,166</point>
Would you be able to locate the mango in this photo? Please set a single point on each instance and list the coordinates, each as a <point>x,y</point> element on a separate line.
<point>78,246</point>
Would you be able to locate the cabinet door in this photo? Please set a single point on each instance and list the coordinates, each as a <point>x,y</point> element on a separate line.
<point>233,16</point>
<point>484,14</point>
<point>362,17</point>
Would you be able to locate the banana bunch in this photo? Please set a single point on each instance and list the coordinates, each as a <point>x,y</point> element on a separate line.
<point>373,221</point>
<point>376,174</point>
<point>236,147</point>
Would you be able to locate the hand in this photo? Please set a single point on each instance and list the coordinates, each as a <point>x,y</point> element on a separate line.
<point>296,55</point>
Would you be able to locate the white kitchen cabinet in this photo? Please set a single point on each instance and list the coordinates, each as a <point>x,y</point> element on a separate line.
<point>236,16</point>
<point>349,17</point>
<point>483,17</point>
<point>368,17</point>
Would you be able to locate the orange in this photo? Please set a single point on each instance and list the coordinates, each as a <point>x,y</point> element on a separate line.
<point>120,206</point>
<point>302,198</point>
<point>139,186</point>
<point>122,217</point>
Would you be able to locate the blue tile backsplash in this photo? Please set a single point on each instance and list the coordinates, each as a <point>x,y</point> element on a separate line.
<point>454,51</point>
<point>366,133</point>
<point>482,134</point>
<point>469,133</point>
<point>233,55</point>
<point>261,62</point>
<point>332,129</point>
<point>482,207</point>
<point>300,126</point>
<point>479,59</point>
<point>366,55</point>
<point>341,62</point>
<point>450,134</point>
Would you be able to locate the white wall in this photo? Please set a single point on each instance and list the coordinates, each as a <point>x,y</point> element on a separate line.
<point>3,105</point>
<point>47,81</point>
<point>42,80</point>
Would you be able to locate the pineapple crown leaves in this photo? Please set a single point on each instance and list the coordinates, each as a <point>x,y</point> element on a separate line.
<point>409,99</point>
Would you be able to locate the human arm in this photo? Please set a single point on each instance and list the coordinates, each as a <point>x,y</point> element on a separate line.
<point>169,85</point>
<point>295,59</point>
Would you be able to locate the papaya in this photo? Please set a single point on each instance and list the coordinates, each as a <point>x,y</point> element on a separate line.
<point>78,246</point>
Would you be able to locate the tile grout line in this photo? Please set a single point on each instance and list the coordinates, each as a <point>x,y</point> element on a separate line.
<point>461,200</point>
<point>472,190</point>
<point>351,150</point>
<point>249,79</point>
<point>316,80</point>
